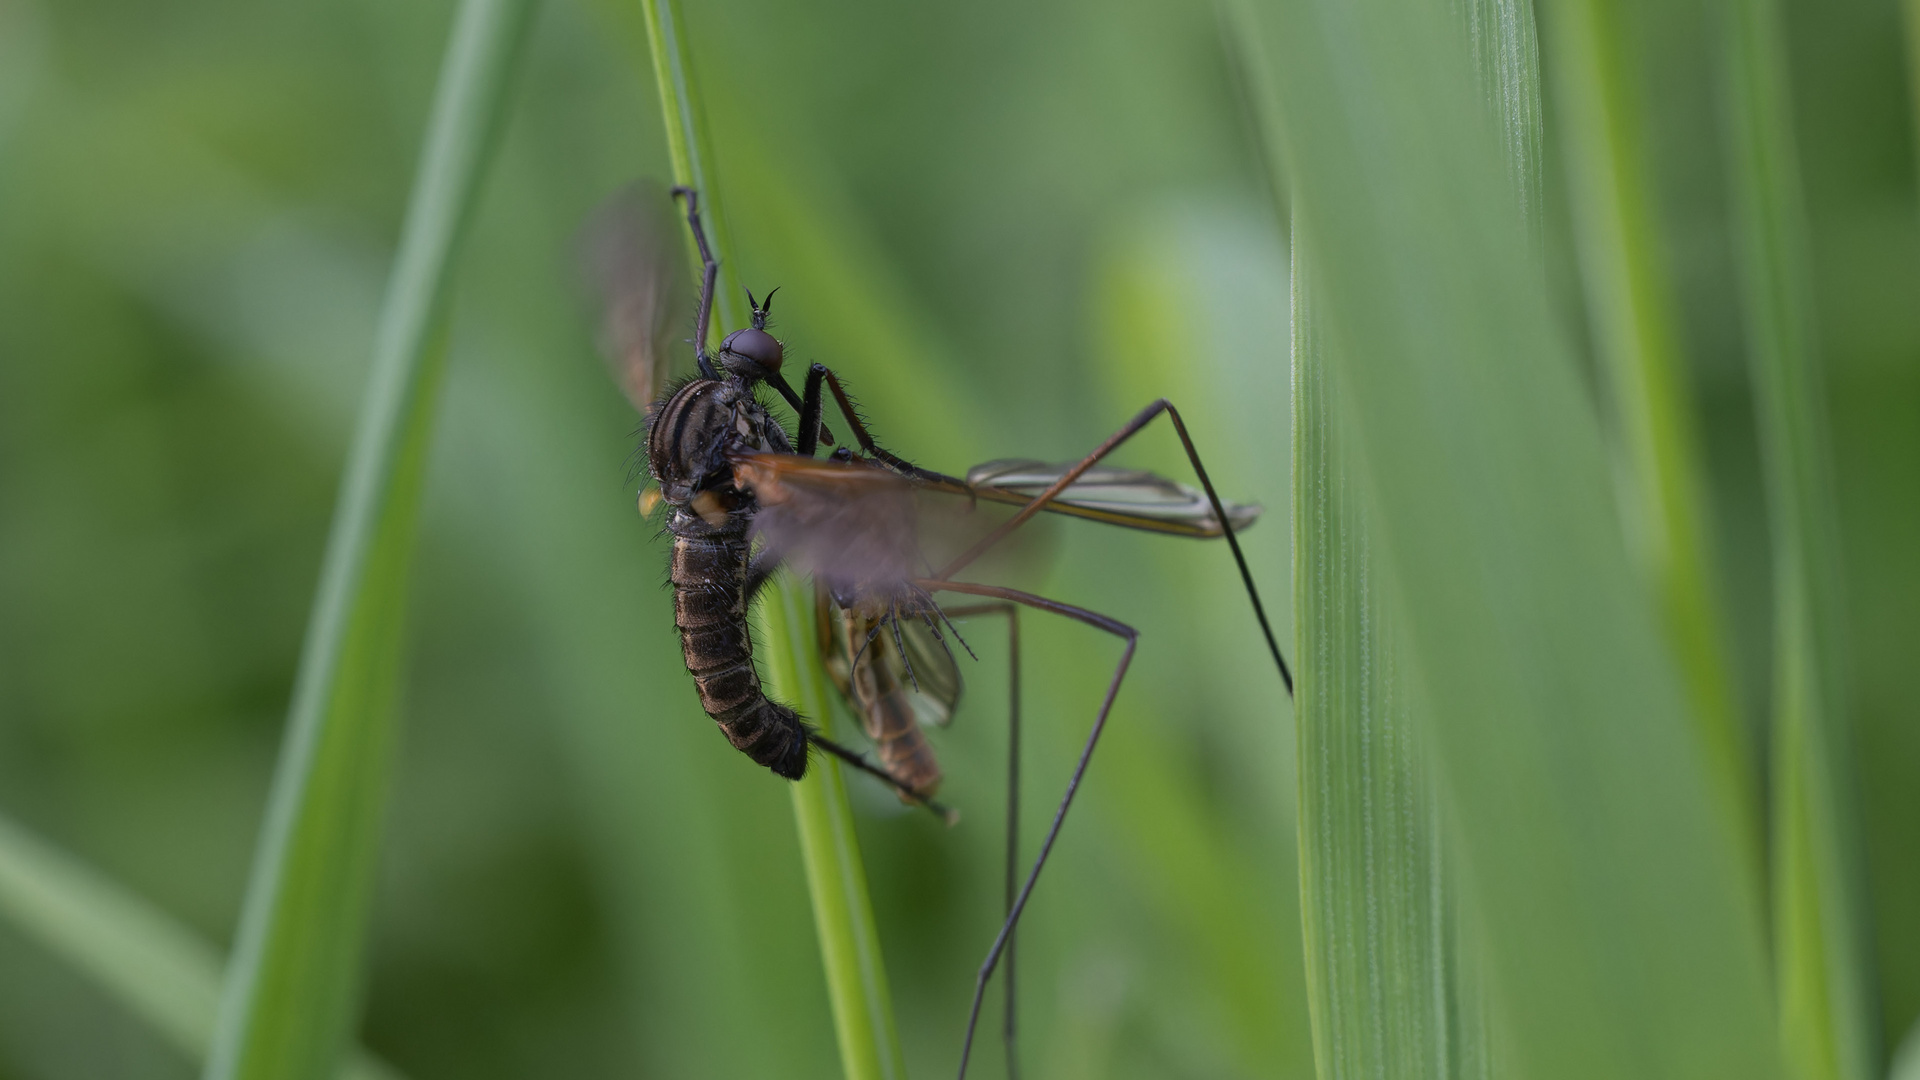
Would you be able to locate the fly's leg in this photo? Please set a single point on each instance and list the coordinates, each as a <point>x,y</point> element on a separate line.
<point>1132,428</point>
<point>819,373</point>
<point>709,273</point>
<point>859,761</point>
<point>1012,880</point>
<point>1100,622</point>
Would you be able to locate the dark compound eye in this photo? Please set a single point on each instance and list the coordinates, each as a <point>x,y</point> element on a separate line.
<point>756,345</point>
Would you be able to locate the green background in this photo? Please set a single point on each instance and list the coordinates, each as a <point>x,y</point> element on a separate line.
<point>1009,228</point>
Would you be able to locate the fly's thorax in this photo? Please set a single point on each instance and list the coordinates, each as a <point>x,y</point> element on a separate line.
<point>691,433</point>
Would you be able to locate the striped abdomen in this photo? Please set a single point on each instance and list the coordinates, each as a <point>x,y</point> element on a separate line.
<point>710,611</point>
<point>886,711</point>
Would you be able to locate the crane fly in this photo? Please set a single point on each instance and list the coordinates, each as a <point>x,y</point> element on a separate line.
<point>744,497</point>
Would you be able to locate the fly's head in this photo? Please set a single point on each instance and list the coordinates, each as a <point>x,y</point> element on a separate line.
<point>752,353</point>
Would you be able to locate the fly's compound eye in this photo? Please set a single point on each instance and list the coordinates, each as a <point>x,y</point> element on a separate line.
<point>756,346</point>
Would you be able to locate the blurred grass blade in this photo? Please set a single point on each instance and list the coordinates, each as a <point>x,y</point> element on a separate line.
<point>1906,1058</point>
<point>1820,956</point>
<point>1254,93</point>
<point>159,969</point>
<point>1378,908</point>
<point>1604,139</point>
<point>842,912</point>
<point>1392,968</point>
<point>291,990</point>
<point>1506,64</point>
<point>1619,921</point>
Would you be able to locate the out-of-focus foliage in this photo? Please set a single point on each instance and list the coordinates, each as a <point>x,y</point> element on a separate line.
<point>1009,226</point>
<point>581,878</point>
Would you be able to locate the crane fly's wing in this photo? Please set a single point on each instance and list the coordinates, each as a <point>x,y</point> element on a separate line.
<point>930,677</point>
<point>931,670</point>
<point>635,260</point>
<point>1133,498</point>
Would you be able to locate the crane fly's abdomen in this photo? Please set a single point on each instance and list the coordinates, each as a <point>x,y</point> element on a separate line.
<point>886,710</point>
<point>900,743</point>
<point>709,609</point>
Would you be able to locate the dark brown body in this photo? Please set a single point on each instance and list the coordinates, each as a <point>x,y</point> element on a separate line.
<point>688,439</point>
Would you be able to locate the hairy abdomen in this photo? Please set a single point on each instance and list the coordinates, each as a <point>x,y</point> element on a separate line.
<point>710,611</point>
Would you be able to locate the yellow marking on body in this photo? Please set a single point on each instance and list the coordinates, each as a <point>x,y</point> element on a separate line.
<point>707,505</point>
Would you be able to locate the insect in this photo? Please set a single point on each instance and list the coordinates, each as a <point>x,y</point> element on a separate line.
<point>744,497</point>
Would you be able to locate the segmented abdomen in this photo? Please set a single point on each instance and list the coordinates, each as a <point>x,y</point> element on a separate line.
<point>709,609</point>
<point>886,710</point>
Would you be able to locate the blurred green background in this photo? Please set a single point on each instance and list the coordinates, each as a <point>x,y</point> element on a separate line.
<point>1009,227</point>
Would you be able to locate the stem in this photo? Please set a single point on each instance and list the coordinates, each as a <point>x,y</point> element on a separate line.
<point>843,915</point>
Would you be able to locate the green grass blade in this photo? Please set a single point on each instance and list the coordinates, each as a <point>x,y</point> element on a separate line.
<point>1392,968</point>
<point>1604,141</point>
<point>689,149</point>
<point>1375,908</point>
<point>1619,917</point>
<point>836,877</point>
<point>155,966</point>
<point>843,914</point>
<point>289,997</point>
<point>1824,986</point>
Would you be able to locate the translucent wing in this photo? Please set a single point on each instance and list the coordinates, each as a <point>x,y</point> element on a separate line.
<point>635,259</point>
<point>1131,497</point>
<point>853,527</point>
<point>934,673</point>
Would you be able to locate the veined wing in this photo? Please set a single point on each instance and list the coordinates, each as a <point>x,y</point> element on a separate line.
<point>636,262</point>
<point>1133,498</point>
<point>853,527</point>
<point>859,527</point>
<point>929,676</point>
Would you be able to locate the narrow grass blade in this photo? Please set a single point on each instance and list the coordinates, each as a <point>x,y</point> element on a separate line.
<point>843,913</point>
<point>1820,957</point>
<point>1392,967</point>
<point>836,877</point>
<point>155,966</point>
<point>1617,910</point>
<point>1604,141</point>
<point>290,994</point>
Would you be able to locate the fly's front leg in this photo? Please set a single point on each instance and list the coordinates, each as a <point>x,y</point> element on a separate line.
<point>821,372</point>
<point>709,273</point>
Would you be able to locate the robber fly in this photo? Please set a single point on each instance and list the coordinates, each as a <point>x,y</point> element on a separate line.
<point>744,497</point>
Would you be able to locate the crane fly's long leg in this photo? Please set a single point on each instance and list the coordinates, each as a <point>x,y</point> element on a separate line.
<point>1098,621</point>
<point>1012,612</point>
<point>1132,428</point>
<point>710,272</point>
